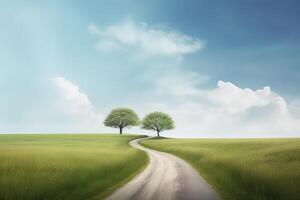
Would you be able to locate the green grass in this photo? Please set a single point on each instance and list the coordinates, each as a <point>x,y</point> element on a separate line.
<point>240,169</point>
<point>66,166</point>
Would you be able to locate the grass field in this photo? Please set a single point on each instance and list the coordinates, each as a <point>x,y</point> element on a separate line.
<point>85,166</point>
<point>240,169</point>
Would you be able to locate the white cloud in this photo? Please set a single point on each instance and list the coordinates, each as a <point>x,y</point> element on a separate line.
<point>77,107</point>
<point>77,102</point>
<point>224,111</point>
<point>142,37</point>
<point>233,100</point>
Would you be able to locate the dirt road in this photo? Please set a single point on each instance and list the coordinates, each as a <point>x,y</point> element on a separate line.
<point>166,177</point>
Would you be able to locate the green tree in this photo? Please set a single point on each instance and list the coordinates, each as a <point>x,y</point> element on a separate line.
<point>158,121</point>
<point>121,118</point>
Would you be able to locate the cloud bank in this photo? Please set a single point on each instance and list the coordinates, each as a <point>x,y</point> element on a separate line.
<point>224,111</point>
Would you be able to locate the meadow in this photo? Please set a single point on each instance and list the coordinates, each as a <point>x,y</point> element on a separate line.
<point>241,169</point>
<point>66,166</point>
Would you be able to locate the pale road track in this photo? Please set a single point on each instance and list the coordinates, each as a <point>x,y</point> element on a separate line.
<point>166,177</point>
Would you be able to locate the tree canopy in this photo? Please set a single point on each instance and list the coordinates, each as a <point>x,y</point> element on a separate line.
<point>158,121</point>
<point>121,118</point>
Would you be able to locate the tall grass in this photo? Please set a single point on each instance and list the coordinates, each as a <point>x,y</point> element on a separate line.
<point>260,169</point>
<point>65,166</point>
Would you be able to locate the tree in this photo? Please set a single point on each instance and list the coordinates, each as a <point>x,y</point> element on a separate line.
<point>121,118</point>
<point>158,121</point>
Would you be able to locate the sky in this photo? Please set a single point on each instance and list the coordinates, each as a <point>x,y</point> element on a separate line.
<point>219,68</point>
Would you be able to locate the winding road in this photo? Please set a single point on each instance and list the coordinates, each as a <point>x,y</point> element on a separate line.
<point>166,177</point>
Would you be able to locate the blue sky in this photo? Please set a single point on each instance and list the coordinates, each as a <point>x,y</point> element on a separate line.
<point>65,64</point>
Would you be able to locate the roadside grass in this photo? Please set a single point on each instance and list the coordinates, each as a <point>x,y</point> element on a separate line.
<point>66,166</point>
<point>242,169</point>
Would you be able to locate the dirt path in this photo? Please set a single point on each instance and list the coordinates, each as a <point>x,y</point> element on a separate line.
<point>166,177</point>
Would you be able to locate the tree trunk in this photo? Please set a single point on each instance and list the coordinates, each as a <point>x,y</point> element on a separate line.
<point>121,130</point>
<point>158,133</point>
